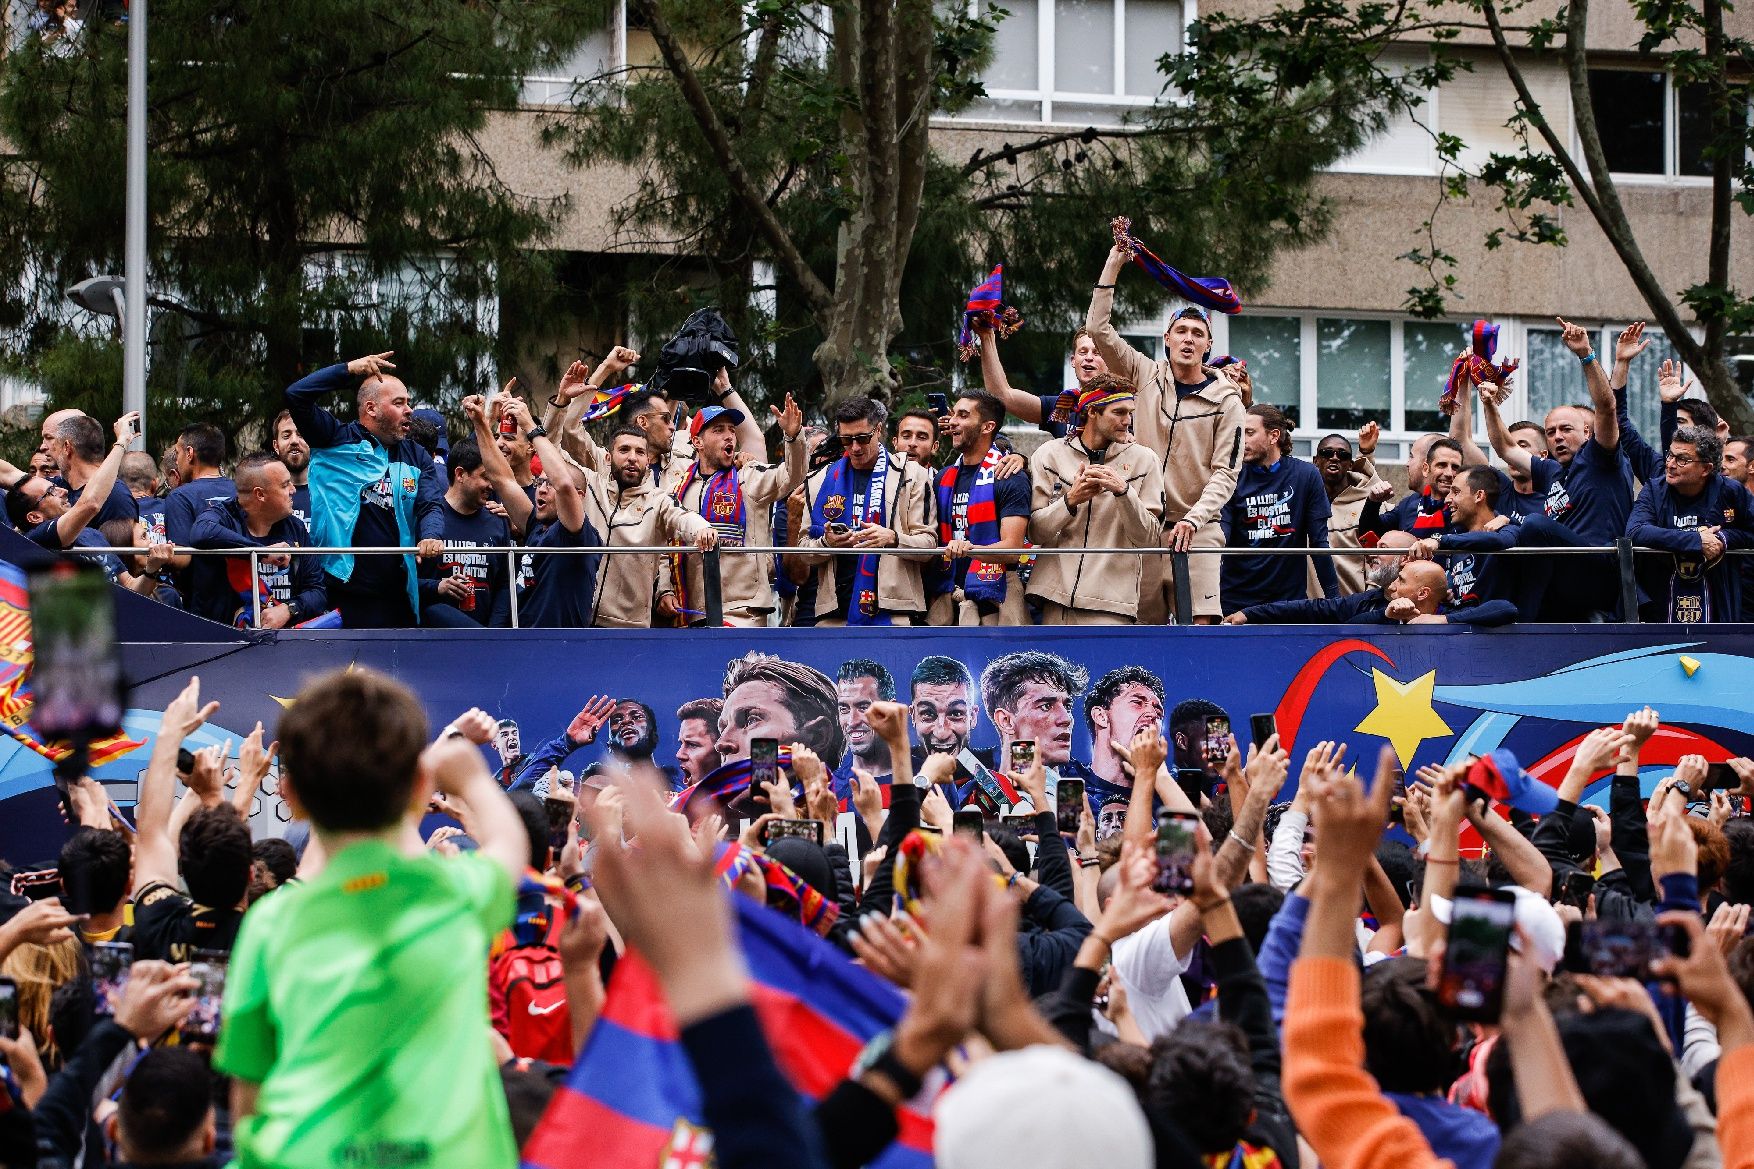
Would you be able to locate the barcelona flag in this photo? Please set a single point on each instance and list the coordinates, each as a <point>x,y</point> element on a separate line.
<point>605,402</point>
<point>632,1099</point>
<point>985,304</point>
<point>1212,292</point>
<point>16,658</point>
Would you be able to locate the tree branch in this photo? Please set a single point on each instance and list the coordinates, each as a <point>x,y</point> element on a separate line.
<point>816,294</point>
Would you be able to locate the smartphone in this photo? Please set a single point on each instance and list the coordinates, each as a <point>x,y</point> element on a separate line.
<point>938,404</point>
<point>8,1008</point>
<point>1175,853</point>
<point>1471,983</point>
<point>1621,949</point>
<point>207,967</point>
<point>77,679</point>
<point>1217,738</point>
<point>1261,728</point>
<point>110,962</point>
<point>1069,805</point>
<point>1022,756</point>
<point>1022,825</point>
<point>764,765</point>
<point>185,761</point>
<point>1575,890</point>
<point>970,823</point>
<point>37,884</point>
<point>837,528</point>
<point>559,816</point>
<point>810,830</point>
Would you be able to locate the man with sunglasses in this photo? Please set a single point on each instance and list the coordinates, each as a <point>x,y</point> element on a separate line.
<point>1191,415</point>
<point>1349,483</point>
<point>1695,514</point>
<point>868,498</point>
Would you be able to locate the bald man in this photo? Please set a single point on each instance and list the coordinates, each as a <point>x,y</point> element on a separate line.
<point>371,487</point>
<point>1417,594</point>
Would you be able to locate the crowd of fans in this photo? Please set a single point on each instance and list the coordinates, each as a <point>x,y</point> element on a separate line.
<point>1175,453</point>
<point>1294,983</point>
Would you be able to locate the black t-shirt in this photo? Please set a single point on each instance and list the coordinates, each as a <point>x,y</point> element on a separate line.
<point>1011,497</point>
<point>1183,389</point>
<point>167,925</point>
<point>1047,424</point>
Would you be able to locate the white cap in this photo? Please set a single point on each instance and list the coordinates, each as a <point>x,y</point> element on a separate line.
<point>1041,1108</point>
<point>1538,918</point>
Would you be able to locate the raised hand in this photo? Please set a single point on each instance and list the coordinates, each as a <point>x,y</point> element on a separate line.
<point>1669,386</point>
<point>1349,821</point>
<point>1368,436</point>
<point>1576,337</point>
<point>156,997</point>
<point>791,419</point>
<point>1147,751</point>
<point>1631,342</point>
<point>371,365</point>
<point>185,715</point>
<point>590,719</point>
<point>127,427</point>
<point>1600,749</point>
<point>889,720</point>
<point>475,725</point>
<point>574,382</point>
<point>1640,725</point>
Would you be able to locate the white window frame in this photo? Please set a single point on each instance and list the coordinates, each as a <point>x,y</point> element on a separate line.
<point>1671,176</point>
<point>538,91</point>
<point>1046,95</point>
<point>1425,116</point>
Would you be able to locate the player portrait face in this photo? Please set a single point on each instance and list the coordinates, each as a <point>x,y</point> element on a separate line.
<point>1043,713</point>
<point>1134,708</point>
<point>944,717</point>
<point>1111,819</point>
<point>505,739</point>
<point>629,726</point>
<point>754,710</point>
<point>854,704</point>
<point>697,749</point>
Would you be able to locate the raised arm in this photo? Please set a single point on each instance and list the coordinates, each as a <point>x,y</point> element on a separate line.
<point>155,850</point>
<point>1607,424</point>
<point>1020,403</point>
<point>303,397</point>
<point>499,472</point>
<point>749,435</point>
<point>1121,357</point>
<point>569,501</point>
<point>1521,859</point>
<point>1461,424</point>
<point>97,489</point>
<point>1498,435</point>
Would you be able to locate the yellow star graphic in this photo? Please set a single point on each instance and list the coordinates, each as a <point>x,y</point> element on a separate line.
<point>285,703</point>
<point>1403,714</point>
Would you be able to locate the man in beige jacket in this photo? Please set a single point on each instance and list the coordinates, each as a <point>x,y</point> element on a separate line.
<point>1350,483</point>
<point>1191,415</point>
<point>1094,489</point>
<point>738,502</point>
<point>868,498</point>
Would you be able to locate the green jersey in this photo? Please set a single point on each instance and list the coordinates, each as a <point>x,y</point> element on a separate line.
<point>358,1001</point>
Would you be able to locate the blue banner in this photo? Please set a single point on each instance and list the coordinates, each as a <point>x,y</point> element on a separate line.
<point>1435,694</point>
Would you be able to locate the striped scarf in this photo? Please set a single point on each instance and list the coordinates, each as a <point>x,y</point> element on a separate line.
<point>1213,292</point>
<point>984,305</point>
<point>983,581</point>
<point>721,505</point>
<point>830,506</point>
<point>1474,367</point>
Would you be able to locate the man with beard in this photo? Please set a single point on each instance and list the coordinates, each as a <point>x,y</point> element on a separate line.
<point>916,438</point>
<point>633,729</point>
<point>1029,696</point>
<point>697,735</point>
<point>978,511</point>
<point>372,487</point>
<point>1421,513</point>
<point>629,511</point>
<point>295,452</point>
<point>1279,503</point>
<point>858,684</point>
<point>1123,702</point>
<point>1349,484</point>
<point>738,501</point>
<point>941,701</point>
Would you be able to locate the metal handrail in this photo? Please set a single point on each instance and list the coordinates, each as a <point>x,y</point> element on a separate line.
<point>1623,550</point>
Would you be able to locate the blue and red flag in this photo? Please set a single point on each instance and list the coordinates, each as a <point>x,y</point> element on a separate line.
<point>723,784</point>
<point>1213,292</point>
<point>605,402</point>
<point>632,1099</point>
<point>985,304</point>
<point>1475,366</point>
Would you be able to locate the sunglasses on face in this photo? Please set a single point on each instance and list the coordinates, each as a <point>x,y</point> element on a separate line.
<point>858,439</point>
<point>1333,454</point>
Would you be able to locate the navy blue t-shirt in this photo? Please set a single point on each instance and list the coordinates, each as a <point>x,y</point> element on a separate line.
<point>1011,498</point>
<point>119,506</point>
<point>301,504</point>
<point>847,567</point>
<point>559,596</point>
<point>152,512</point>
<point>1282,506</point>
<point>485,572</point>
<point>45,535</point>
<point>1591,495</point>
<point>1047,423</point>
<point>182,505</point>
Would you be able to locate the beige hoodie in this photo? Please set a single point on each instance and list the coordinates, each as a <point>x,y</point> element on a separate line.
<point>1102,582</point>
<point>1343,529</point>
<point>1197,438</point>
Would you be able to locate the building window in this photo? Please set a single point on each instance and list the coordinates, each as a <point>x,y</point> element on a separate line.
<point>1273,348</point>
<point>1076,62</point>
<point>1352,372</point>
<point>1428,350</point>
<point>1650,125</point>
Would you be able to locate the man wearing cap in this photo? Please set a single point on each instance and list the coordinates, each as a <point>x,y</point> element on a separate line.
<point>738,503</point>
<point>1093,489</point>
<point>1191,416</point>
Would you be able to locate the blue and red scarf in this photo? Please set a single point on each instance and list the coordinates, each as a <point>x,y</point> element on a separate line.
<point>721,505</point>
<point>237,575</point>
<point>723,784</point>
<point>984,305</point>
<point>1475,366</point>
<point>984,581</point>
<point>830,506</point>
<point>1213,292</point>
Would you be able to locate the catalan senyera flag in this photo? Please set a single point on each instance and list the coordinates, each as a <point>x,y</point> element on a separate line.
<point>605,402</point>
<point>16,658</point>
<point>632,1099</point>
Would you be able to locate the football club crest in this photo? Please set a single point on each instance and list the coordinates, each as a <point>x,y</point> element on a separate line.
<point>835,508</point>
<point>690,1147</point>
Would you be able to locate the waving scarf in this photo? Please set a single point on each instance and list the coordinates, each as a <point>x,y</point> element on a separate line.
<point>605,402</point>
<point>983,581</point>
<point>1213,292</point>
<point>786,891</point>
<point>830,506</point>
<point>1474,367</point>
<point>984,305</point>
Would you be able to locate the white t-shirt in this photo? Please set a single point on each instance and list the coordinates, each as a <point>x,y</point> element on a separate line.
<point>1151,970</point>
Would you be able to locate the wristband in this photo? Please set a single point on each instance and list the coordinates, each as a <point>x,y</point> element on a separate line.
<point>535,432</point>
<point>557,403</point>
<point>1102,286</point>
<point>1011,881</point>
<point>1587,357</point>
<point>1246,844</point>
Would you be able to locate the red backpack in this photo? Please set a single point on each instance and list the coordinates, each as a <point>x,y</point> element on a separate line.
<point>526,991</point>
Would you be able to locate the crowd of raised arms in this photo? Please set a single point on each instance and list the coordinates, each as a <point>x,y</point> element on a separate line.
<point>1180,453</point>
<point>1461,968</point>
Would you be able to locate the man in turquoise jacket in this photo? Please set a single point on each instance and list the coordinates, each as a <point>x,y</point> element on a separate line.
<point>371,487</point>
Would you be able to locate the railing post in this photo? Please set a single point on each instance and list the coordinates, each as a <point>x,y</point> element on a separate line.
<point>1628,582</point>
<point>511,563</point>
<point>715,598</point>
<point>255,589</point>
<point>1184,588</point>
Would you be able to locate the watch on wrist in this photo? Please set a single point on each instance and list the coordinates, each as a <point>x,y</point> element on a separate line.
<point>879,1056</point>
<point>535,432</point>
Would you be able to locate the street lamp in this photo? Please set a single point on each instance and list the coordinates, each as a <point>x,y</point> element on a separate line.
<point>107,296</point>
